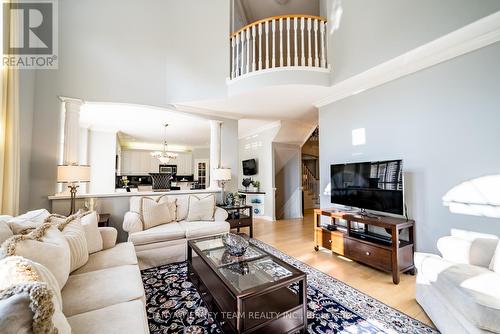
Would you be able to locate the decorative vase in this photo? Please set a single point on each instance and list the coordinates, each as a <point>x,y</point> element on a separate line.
<point>229,199</point>
<point>235,244</point>
<point>246,183</point>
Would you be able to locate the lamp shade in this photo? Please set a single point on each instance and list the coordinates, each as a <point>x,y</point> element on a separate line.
<point>222,174</point>
<point>73,173</point>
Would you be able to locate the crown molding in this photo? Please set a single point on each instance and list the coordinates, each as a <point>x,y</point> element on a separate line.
<point>471,37</point>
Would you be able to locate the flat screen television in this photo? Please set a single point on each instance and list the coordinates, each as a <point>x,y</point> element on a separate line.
<point>249,167</point>
<point>375,185</point>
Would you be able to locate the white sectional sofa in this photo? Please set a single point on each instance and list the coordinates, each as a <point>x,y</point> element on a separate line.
<point>167,243</point>
<point>105,295</point>
<point>460,290</point>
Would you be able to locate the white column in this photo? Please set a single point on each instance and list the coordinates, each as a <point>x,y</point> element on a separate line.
<point>215,143</point>
<point>71,131</point>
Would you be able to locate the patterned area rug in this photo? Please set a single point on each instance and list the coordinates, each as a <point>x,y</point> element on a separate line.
<point>174,305</point>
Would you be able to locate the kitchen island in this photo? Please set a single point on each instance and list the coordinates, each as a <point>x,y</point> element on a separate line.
<point>116,203</point>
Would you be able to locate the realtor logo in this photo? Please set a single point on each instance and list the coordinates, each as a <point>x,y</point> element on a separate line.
<point>30,34</point>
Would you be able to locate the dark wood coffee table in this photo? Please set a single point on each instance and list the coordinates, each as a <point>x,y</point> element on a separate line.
<point>255,293</point>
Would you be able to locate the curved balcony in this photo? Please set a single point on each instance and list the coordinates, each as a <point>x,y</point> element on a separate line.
<point>279,43</point>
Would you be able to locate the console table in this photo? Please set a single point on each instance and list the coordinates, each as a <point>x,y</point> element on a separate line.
<point>388,254</point>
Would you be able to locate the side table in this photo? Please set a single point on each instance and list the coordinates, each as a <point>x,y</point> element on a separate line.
<point>239,216</point>
<point>103,219</point>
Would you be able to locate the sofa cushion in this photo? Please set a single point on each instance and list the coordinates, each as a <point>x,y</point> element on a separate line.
<point>198,229</point>
<point>30,300</point>
<point>45,245</point>
<point>90,224</point>
<point>129,317</point>
<point>119,255</point>
<point>156,213</point>
<point>474,291</point>
<point>28,221</point>
<point>201,207</point>
<point>97,289</point>
<point>166,232</point>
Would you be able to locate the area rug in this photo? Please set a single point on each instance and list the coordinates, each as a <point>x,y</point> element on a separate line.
<point>174,305</point>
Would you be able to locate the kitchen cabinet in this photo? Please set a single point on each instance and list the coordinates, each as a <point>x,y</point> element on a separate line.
<point>141,162</point>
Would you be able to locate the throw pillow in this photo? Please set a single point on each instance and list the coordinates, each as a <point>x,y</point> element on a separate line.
<point>90,225</point>
<point>172,205</point>
<point>45,245</point>
<point>27,222</point>
<point>30,298</point>
<point>495,261</point>
<point>5,231</point>
<point>154,213</point>
<point>182,207</point>
<point>74,233</point>
<point>201,208</point>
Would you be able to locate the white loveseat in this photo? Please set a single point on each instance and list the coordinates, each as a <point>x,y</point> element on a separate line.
<point>460,290</point>
<point>105,295</point>
<point>167,243</point>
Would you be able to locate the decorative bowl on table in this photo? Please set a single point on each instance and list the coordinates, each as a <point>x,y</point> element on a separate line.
<point>235,244</point>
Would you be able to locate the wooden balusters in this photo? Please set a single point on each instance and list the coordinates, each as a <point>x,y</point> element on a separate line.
<point>295,53</point>
<point>322,43</point>
<point>250,53</point>
<point>253,49</point>
<point>309,54</point>
<point>248,50</point>
<point>303,57</point>
<point>260,46</point>
<point>316,58</point>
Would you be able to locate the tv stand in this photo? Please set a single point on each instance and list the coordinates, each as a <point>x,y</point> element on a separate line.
<point>385,253</point>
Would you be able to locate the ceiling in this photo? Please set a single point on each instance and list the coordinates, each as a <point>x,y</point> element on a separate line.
<point>141,127</point>
<point>262,107</point>
<point>253,10</point>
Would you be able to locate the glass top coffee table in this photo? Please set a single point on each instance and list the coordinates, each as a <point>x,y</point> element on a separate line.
<point>256,292</point>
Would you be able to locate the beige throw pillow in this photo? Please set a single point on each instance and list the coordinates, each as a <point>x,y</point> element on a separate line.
<point>155,213</point>
<point>45,245</point>
<point>73,231</point>
<point>201,207</point>
<point>172,205</point>
<point>30,298</point>
<point>27,222</point>
<point>5,231</point>
<point>90,225</point>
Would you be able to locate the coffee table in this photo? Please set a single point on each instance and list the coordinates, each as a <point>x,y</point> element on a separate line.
<point>255,293</point>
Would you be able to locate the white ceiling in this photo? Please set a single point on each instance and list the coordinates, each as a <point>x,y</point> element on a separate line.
<point>141,127</point>
<point>254,10</point>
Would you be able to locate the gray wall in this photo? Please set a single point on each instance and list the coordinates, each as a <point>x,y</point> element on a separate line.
<point>443,121</point>
<point>287,181</point>
<point>374,31</point>
<point>26,107</point>
<point>146,52</point>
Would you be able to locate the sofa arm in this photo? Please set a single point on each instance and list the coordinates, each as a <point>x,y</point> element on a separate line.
<point>477,252</point>
<point>132,222</point>
<point>220,214</point>
<point>108,235</point>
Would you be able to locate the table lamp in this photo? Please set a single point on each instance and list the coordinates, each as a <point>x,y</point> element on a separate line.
<point>74,175</point>
<point>222,175</point>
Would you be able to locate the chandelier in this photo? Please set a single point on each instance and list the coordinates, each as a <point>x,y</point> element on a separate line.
<point>164,156</point>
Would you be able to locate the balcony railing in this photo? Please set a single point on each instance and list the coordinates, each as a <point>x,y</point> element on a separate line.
<point>289,41</point>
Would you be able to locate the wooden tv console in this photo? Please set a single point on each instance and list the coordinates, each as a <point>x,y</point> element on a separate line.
<point>391,255</point>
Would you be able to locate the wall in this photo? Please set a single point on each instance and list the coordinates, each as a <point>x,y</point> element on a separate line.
<point>443,121</point>
<point>102,150</point>
<point>26,108</point>
<point>287,181</point>
<point>374,31</point>
<point>260,147</point>
<point>230,152</point>
<point>155,53</point>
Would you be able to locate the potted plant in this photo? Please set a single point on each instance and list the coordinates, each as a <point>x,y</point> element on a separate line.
<point>256,185</point>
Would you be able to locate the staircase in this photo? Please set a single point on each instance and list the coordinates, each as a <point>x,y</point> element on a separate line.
<point>310,185</point>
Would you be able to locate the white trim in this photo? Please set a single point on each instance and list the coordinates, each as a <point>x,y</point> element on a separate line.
<point>476,35</point>
<point>230,81</point>
<point>70,99</point>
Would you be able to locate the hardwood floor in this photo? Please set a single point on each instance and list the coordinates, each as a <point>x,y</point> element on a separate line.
<point>295,238</point>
